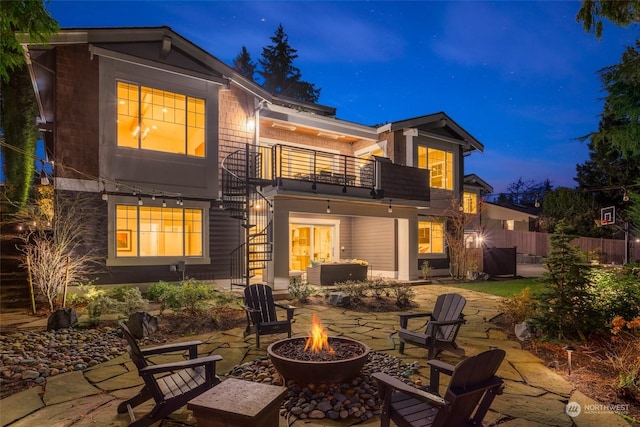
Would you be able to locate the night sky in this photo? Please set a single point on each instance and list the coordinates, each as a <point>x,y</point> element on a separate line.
<point>520,76</point>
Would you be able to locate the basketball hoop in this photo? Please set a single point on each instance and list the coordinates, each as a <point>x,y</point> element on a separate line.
<point>607,216</point>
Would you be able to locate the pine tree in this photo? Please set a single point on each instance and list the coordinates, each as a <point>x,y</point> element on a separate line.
<point>244,65</point>
<point>564,309</point>
<point>278,73</point>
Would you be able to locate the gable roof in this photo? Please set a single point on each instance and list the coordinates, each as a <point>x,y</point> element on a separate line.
<point>146,46</point>
<point>475,181</point>
<point>439,126</point>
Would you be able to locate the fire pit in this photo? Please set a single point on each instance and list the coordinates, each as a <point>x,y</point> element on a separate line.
<point>318,359</point>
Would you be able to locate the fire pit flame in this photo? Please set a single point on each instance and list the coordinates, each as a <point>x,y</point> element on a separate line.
<point>318,339</point>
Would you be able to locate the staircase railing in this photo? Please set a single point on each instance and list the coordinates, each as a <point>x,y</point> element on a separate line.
<point>242,198</point>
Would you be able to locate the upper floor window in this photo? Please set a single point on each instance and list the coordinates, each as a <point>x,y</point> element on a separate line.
<point>143,231</point>
<point>440,165</point>
<point>158,120</point>
<point>470,203</point>
<point>430,237</point>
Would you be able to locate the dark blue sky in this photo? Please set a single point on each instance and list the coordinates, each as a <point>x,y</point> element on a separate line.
<point>518,75</point>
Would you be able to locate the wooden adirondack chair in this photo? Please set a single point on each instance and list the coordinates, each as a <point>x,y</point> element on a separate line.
<point>471,390</point>
<point>442,327</point>
<point>171,385</point>
<point>262,318</point>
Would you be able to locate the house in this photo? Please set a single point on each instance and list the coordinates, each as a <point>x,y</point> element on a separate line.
<point>512,217</point>
<point>196,171</point>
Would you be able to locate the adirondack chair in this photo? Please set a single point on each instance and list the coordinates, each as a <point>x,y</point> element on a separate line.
<point>472,387</point>
<point>261,312</point>
<point>171,385</point>
<point>441,330</point>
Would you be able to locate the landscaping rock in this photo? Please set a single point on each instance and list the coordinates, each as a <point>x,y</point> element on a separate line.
<point>142,324</point>
<point>62,318</point>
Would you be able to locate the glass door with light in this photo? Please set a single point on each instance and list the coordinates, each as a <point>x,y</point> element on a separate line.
<point>310,242</point>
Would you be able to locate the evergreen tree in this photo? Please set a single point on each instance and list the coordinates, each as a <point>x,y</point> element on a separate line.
<point>564,309</point>
<point>279,75</point>
<point>20,132</point>
<point>22,16</point>
<point>574,206</point>
<point>244,65</point>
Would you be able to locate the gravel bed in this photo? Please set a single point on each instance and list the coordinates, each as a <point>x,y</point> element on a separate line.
<point>357,399</point>
<point>28,357</point>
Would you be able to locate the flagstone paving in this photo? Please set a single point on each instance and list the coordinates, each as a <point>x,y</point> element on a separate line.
<point>533,395</point>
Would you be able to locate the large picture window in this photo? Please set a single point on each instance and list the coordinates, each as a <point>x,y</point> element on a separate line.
<point>143,231</point>
<point>157,120</point>
<point>440,165</point>
<point>430,237</point>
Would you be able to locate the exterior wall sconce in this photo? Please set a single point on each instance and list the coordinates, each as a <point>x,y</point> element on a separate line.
<point>328,207</point>
<point>251,124</point>
<point>390,209</point>
<point>140,201</point>
<point>104,196</point>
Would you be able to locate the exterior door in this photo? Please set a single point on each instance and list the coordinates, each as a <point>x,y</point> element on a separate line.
<point>310,243</point>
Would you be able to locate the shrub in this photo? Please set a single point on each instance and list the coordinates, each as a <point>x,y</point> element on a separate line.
<point>356,290</point>
<point>614,292</point>
<point>404,295</point>
<point>379,287</point>
<point>190,296</point>
<point>625,356</point>
<point>129,299</point>
<point>520,307</point>
<point>164,293</point>
<point>299,290</point>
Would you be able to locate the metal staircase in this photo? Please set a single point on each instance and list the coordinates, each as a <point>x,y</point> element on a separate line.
<point>242,198</point>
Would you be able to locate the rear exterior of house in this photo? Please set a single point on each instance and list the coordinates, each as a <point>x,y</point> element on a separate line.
<point>194,171</point>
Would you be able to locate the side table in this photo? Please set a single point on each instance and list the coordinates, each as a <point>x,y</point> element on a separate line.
<point>238,403</point>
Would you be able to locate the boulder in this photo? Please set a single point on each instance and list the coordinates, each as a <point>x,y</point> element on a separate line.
<point>142,324</point>
<point>62,318</point>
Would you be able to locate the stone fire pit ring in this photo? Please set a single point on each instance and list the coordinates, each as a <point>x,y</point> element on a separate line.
<point>318,371</point>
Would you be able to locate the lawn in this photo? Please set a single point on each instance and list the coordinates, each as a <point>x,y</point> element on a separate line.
<point>503,288</point>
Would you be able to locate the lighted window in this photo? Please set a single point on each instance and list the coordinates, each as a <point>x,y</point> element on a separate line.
<point>470,203</point>
<point>154,231</point>
<point>440,165</point>
<point>430,237</point>
<point>153,119</point>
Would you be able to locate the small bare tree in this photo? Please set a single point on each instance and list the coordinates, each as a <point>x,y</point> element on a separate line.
<point>456,222</point>
<point>59,242</point>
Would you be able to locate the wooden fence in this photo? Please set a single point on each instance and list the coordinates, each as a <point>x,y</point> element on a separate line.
<point>537,245</point>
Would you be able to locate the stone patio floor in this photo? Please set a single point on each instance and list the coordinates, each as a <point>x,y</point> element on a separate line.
<point>534,395</point>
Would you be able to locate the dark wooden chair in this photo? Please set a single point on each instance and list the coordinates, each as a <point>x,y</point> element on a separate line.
<point>441,329</point>
<point>261,312</point>
<point>472,387</point>
<point>171,385</point>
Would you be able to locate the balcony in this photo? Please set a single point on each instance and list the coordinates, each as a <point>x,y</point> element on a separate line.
<point>306,170</point>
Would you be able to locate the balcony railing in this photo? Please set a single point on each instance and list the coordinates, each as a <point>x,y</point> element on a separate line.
<point>303,164</point>
<point>291,167</point>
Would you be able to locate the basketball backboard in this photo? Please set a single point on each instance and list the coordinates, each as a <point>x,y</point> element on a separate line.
<point>608,215</point>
